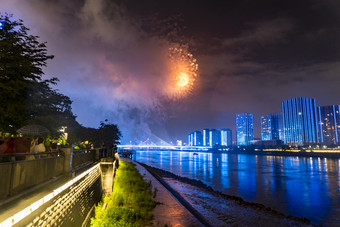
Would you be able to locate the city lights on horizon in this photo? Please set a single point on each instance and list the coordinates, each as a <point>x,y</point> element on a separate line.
<point>307,127</point>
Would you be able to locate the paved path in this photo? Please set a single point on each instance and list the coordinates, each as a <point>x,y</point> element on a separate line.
<point>170,212</point>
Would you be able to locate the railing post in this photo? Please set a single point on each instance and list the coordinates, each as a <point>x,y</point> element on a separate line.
<point>68,152</point>
<point>12,177</point>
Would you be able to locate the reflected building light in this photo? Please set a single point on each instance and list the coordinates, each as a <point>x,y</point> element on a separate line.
<point>224,158</point>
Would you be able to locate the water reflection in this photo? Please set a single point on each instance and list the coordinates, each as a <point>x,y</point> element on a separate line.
<point>299,186</point>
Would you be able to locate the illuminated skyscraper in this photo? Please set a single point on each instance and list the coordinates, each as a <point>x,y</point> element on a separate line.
<point>197,138</point>
<point>191,139</point>
<point>244,128</point>
<point>277,126</point>
<point>206,135</point>
<point>214,137</point>
<point>271,127</point>
<point>299,121</point>
<point>226,137</point>
<point>266,131</point>
<point>329,124</point>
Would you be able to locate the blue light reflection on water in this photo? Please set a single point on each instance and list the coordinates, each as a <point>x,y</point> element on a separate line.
<point>299,186</point>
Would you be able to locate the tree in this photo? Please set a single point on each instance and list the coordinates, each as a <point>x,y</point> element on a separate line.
<point>21,60</point>
<point>47,107</point>
<point>108,133</point>
<point>25,96</point>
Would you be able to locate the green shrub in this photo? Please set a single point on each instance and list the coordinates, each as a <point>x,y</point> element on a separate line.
<point>130,203</point>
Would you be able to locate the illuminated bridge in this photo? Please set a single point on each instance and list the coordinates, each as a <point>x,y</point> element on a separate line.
<point>53,189</point>
<point>168,147</point>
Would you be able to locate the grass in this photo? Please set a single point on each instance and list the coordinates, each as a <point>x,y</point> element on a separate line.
<point>130,203</point>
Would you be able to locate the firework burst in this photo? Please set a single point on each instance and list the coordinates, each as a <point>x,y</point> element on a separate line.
<point>183,71</point>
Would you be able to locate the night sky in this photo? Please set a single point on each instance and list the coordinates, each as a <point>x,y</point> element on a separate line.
<point>252,55</point>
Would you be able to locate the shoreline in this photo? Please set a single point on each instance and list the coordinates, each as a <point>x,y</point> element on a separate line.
<point>242,203</point>
<point>281,153</point>
<point>333,155</point>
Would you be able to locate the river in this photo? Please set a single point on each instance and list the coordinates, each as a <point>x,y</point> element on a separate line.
<point>297,186</point>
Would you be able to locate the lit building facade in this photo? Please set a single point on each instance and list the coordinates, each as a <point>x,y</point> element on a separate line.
<point>329,124</point>
<point>226,137</point>
<point>244,128</point>
<point>299,120</point>
<point>277,126</point>
<point>197,138</point>
<point>266,131</point>
<point>206,135</point>
<point>191,139</point>
<point>271,127</point>
<point>214,137</point>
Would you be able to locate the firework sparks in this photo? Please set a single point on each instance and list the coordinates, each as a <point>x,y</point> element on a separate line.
<point>183,71</point>
<point>182,79</point>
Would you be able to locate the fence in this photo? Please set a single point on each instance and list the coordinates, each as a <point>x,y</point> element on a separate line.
<point>71,204</point>
<point>81,157</point>
<point>17,174</point>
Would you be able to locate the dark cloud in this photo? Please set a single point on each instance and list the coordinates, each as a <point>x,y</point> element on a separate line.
<point>111,58</point>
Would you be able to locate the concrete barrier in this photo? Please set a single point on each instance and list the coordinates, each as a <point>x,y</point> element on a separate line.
<point>82,157</point>
<point>17,176</point>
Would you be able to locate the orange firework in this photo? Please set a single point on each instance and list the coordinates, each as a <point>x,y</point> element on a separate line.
<point>183,71</point>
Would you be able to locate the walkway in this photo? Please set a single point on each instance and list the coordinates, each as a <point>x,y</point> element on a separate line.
<point>170,212</point>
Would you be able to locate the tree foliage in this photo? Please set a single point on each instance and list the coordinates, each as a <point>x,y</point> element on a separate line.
<point>25,96</point>
<point>107,133</point>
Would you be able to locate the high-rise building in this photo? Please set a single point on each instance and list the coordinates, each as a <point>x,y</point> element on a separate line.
<point>299,121</point>
<point>271,127</point>
<point>329,124</point>
<point>266,131</point>
<point>214,137</point>
<point>244,128</point>
<point>197,138</point>
<point>226,137</point>
<point>276,126</point>
<point>191,139</point>
<point>206,135</point>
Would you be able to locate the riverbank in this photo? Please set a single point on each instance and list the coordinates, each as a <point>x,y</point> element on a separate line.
<point>297,153</point>
<point>290,153</point>
<point>220,209</point>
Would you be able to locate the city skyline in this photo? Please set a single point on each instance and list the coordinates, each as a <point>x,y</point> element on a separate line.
<point>301,122</point>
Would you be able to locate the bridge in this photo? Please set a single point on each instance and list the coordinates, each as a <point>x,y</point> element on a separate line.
<point>53,188</point>
<point>165,147</point>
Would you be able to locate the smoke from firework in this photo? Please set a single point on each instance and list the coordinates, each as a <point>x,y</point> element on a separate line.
<point>109,66</point>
